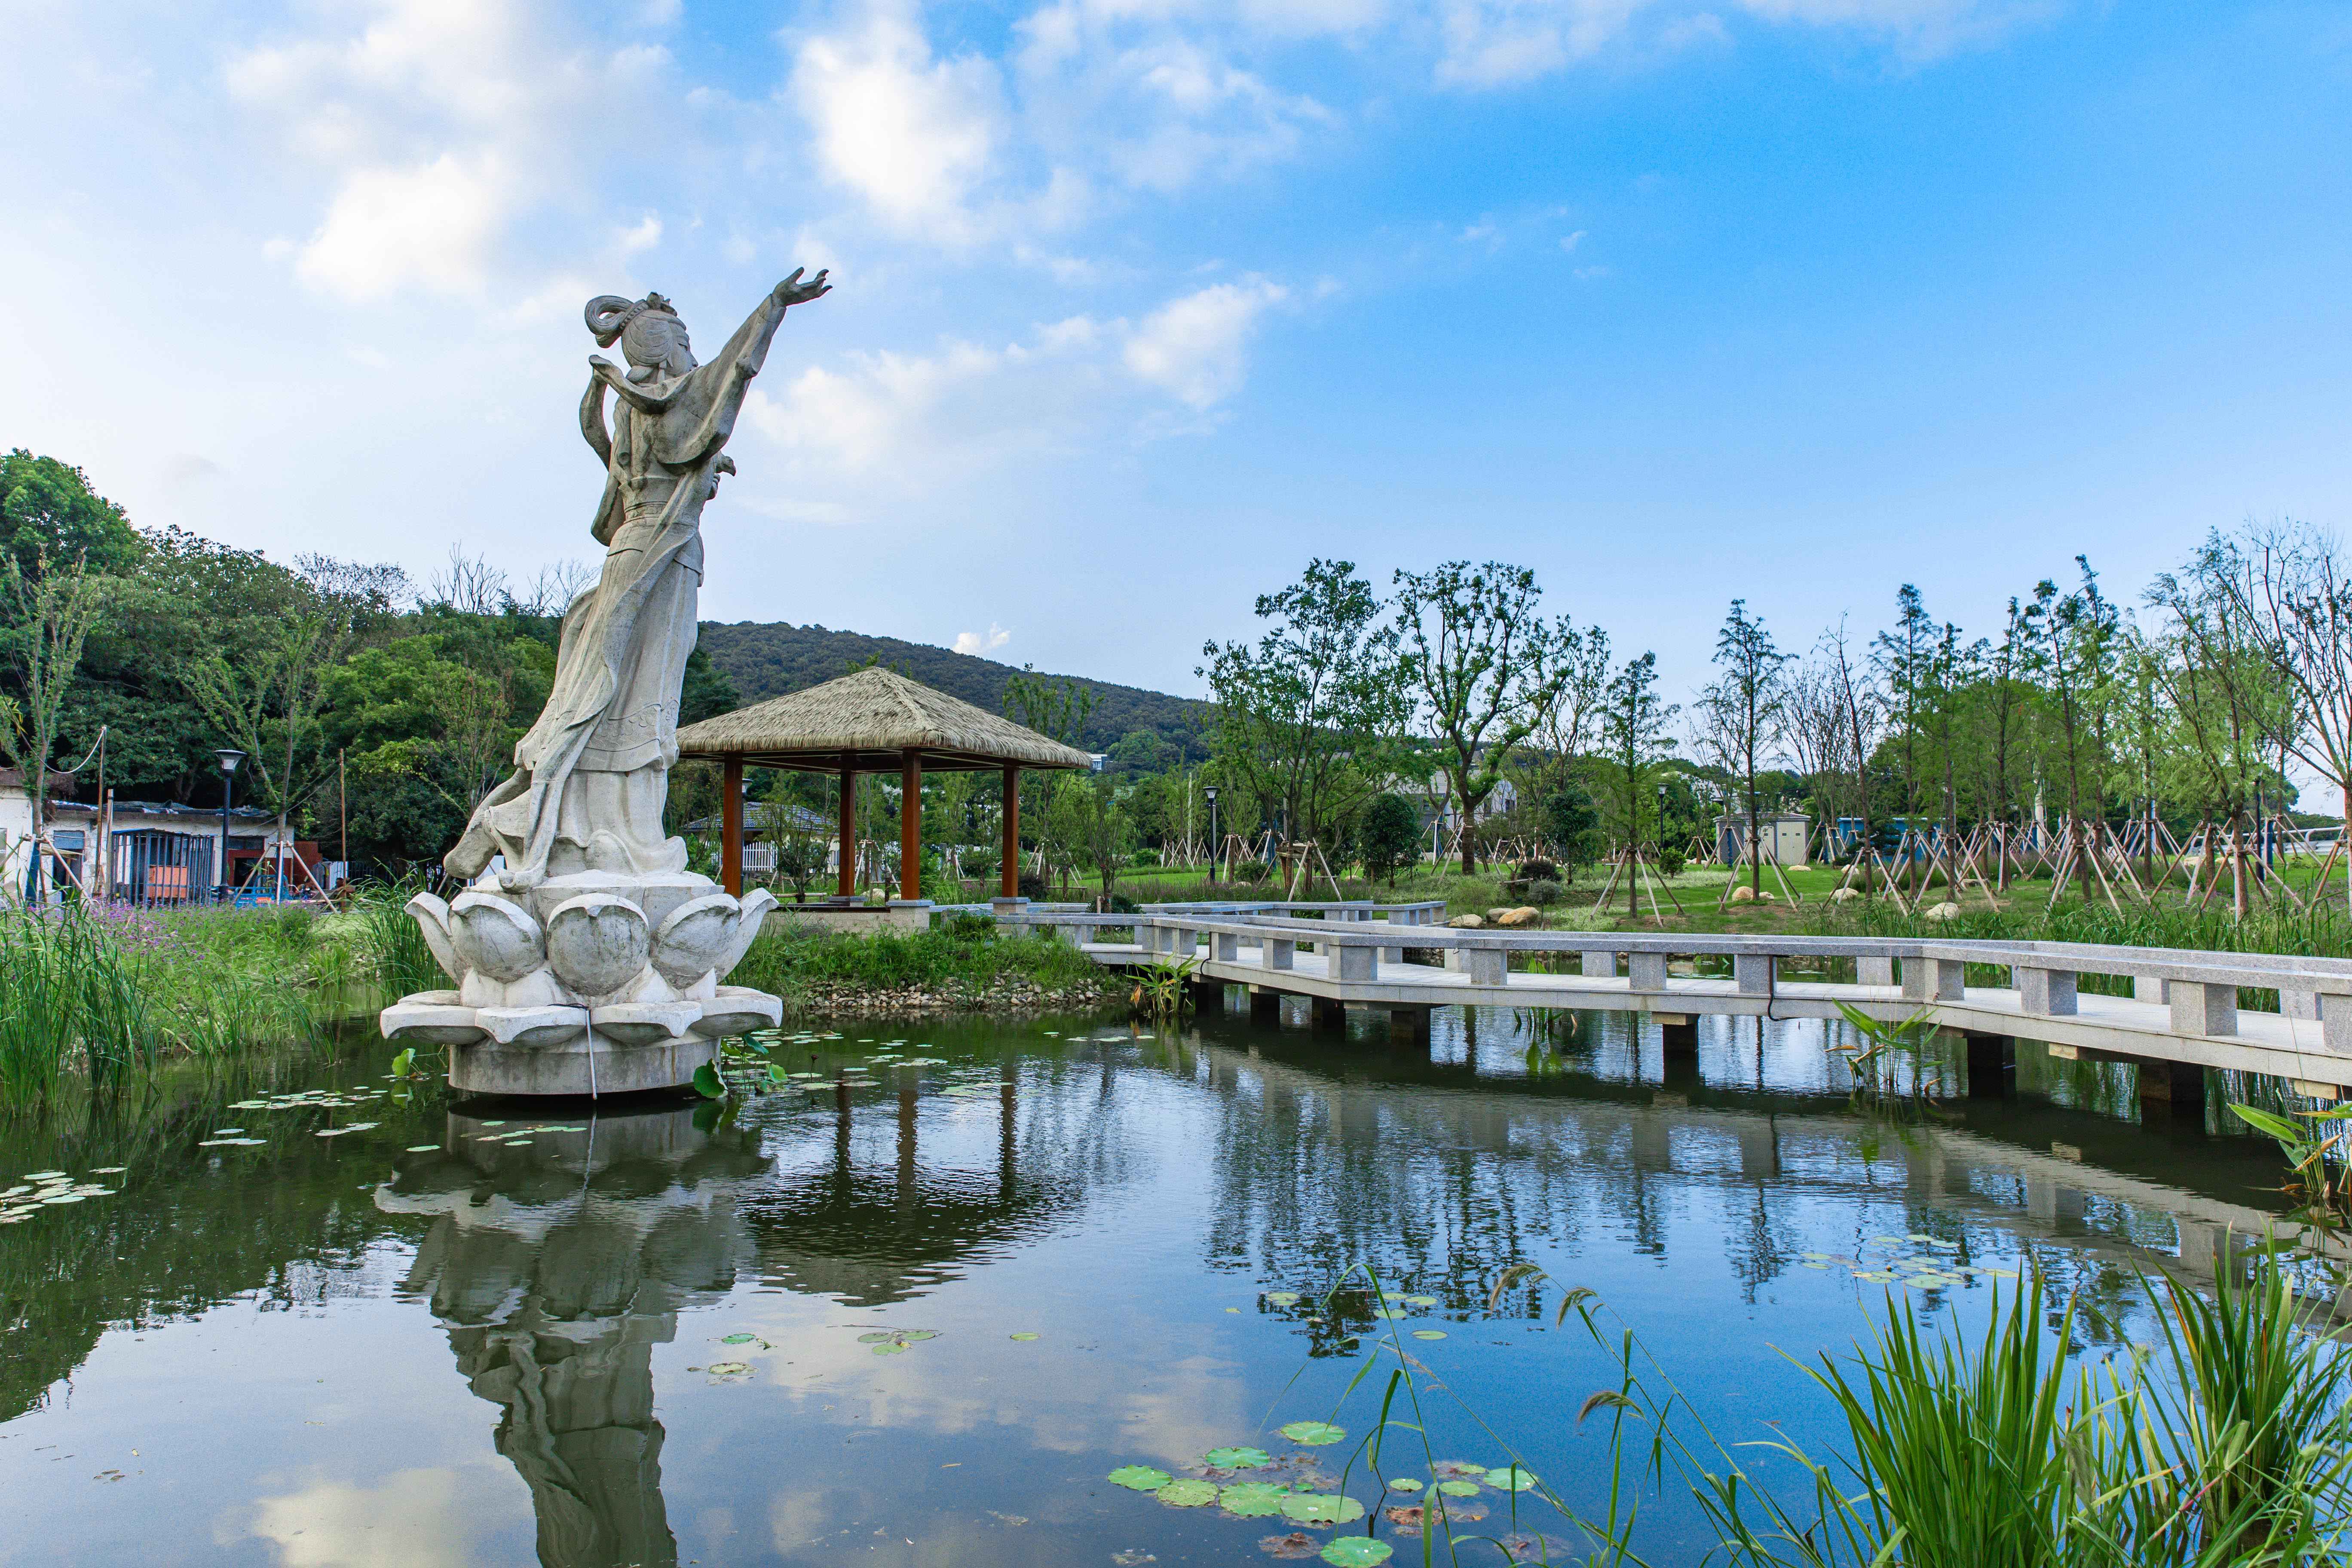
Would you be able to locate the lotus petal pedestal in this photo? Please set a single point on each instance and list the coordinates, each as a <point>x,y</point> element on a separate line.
<point>592,984</point>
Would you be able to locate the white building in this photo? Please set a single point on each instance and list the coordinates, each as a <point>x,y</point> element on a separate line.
<point>152,851</point>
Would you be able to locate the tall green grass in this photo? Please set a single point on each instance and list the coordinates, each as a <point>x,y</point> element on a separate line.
<point>72,997</point>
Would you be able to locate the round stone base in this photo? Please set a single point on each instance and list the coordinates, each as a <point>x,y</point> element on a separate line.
<point>488,1069</point>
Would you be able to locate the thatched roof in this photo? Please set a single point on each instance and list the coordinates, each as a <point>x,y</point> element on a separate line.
<point>874,716</point>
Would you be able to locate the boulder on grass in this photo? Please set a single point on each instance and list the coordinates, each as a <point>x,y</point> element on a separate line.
<point>1743,895</point>
<point>1467,922</point>
<point>1525,915</point>
<point>1947,911</point>
<point>1845,895</point>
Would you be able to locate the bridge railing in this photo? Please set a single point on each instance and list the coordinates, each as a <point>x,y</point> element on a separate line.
<point>2201,989</point>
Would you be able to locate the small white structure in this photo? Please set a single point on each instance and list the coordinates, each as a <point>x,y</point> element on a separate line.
<point>1786,835</point>
<point>148,851</point>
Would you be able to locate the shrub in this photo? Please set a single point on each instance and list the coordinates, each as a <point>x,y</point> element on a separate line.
<point>1032,885</point>
<point>1670,861</point>
<point>1537,870</point>
<point>1543,890</point>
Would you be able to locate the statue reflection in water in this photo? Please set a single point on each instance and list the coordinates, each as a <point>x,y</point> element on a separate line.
<point>557,1264</point>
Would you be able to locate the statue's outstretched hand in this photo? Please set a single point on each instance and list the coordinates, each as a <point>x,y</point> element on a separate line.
<point>794,292</point>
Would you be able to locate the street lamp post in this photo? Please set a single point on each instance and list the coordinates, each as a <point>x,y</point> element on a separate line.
<point>229,757</point>
<point>1662,819</point>
<point>1216,844</point>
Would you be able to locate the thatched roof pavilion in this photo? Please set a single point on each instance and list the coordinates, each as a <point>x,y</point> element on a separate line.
<point>872,721</point>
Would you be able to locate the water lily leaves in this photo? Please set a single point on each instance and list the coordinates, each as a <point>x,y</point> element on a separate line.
<point>918,1334</point>
<point>1314,1434</point>
<point>425,1148</point>
<point>1253,1499</point>
<point>1429,1333</point>
<point>1138,1477</point>
<point>1420,1300</point>
<point>1188,1493</point>
<point>707,1083</point>
<point>42,1176</point>
<point>402,1063</point>
<point>1458,1489</point>
<point>875,1339</point>
<point>1025,1336</point>
<point>1237,1458</point>
<point>1283,1298</point>
<point>727,1368</point>
<point>895,1347</point>
<point>1357,1551</point>
<point>1321,1507</point>
<point>737,1339</point>
<point>1511,1477</point>
<point>1404,1484</point>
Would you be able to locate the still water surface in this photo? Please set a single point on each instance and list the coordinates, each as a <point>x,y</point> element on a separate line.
<point>468,1334</point>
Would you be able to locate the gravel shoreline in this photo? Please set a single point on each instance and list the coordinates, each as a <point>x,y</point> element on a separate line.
<point>850,1000</point>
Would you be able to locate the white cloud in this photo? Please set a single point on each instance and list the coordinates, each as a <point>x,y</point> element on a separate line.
<point>1502,43</point>
<point>1195,347</point>
<point>995,637</point>
<point>915,137</point>
<point>643,237</point>
<point>429,227</point>
<point>414,1520</point>
<point>1571,241</point>
<point>1921,29</point>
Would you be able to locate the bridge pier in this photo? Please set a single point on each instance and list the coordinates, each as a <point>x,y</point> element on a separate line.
<point>2171,1083</point>
<point>1992,1065</point>
<point>1410,1026</point>
<point>1326,1015</point>
<point>1266,1005</point>
<point>1679,1031</point>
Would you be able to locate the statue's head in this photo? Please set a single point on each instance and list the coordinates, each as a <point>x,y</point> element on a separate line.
<point>651,336</point>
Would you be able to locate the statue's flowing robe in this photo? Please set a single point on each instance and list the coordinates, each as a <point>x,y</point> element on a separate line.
<point>592,776</point>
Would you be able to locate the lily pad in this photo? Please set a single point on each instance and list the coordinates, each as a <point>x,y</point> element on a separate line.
<point>1314,1434</point>
<point>1357,1551</point>
<point>893,1348</point>
<point>1237,1458</point>
<point>707,1083</point>
<point>1024,1336</point>
<point>1138,1477</point>
<point>1283,1298</point>
<point>919,1334</point>
<point>1458,1489</point>
<point>875,1339</point>
<point>1188,1493</point>
<point>1429,1333</point>
<point>425,1148</point>
<point>729,1368</point>
<point>1252,1500</point>
<point>737,1339</point>
<point>1404,1484</point>
<point>1322,1508</point>
<point>1511,1477</point>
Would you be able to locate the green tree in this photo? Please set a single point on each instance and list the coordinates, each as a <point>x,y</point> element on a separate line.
<point>268,703</point>
<point>1573,826</point>
<point>1305,714</point>
<point>1484,667</point>
<point>1634,720</point>
<point>1744,712</point>
<point>50,616</point>
<point>50,516</point>
<point>1390,833</point>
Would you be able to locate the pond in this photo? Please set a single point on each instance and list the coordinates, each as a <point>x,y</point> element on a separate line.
<point>919,1314</point>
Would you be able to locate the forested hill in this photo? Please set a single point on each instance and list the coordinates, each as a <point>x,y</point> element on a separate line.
<point>769,659</point>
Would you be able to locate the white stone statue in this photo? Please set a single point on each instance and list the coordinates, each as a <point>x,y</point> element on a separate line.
<point>592,946</point>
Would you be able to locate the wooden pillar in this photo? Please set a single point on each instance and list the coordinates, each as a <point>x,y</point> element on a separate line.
<point>911,824</point>
<point>731,834</point>
<point>1009,878</point>
<point>848,881</point>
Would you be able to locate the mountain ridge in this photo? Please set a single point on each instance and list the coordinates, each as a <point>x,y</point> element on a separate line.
<point>771,659</point>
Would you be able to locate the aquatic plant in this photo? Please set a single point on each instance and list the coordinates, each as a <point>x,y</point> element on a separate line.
<point>1163,987</point>
<point>72,994</point>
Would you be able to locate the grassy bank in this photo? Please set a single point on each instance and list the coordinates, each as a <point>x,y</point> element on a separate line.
<point>105,994</point>
<point>965,965</point>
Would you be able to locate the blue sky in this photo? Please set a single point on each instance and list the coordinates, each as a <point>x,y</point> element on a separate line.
<point>1141,303</point>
